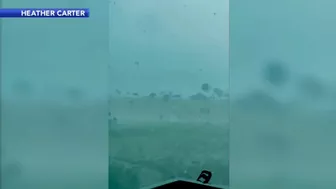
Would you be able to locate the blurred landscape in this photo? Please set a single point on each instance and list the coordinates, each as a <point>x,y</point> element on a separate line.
<point>84,115</point>
<point>155,139</point>
<point>42,142</point>
<point>152,140</point>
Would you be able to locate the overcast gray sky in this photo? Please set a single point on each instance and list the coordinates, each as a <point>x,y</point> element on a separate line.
<point>179,44</point>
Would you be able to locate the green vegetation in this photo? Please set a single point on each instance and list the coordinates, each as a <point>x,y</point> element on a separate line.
<point>148,154</point>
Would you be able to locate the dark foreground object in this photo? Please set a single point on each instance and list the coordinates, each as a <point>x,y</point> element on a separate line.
<point>182,184</point>
<point>203,179</point>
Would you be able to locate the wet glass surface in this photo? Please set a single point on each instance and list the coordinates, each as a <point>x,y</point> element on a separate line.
<point>168,91</point>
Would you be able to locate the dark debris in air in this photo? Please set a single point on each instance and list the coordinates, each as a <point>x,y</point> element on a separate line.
<point>276,73</point>
<point>205,87</point>
<point>115,119</point>
<point>152,95</point>
<point>218,92</point>
<point>118,91</point>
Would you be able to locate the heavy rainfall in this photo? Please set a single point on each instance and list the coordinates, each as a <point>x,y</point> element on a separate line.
<point>145,92</point>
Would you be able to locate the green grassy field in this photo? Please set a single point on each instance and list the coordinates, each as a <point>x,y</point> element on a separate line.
<point>159,148</point>
<point>153,153</point>
<point>67,146</point>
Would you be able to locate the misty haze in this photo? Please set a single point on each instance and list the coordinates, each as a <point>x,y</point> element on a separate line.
<point>144,91</point>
